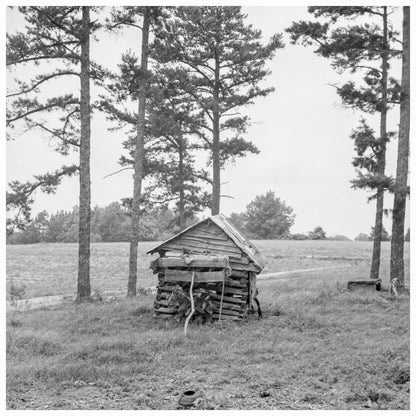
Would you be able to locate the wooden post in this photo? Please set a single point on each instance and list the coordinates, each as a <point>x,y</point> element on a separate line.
<point>222,294</point>
<point>192,303</point>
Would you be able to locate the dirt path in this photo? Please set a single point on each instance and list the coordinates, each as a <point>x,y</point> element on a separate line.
<point>266,276</point>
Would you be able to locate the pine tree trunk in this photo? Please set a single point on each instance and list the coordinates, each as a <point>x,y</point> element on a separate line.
<point>378,227</point>
<point>138,158</point>
<point>400,194</point>
<point>84,288</point>
<point>181,184</point>
<point>216,167</point>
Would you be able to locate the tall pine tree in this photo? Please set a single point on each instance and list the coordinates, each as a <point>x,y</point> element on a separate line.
<point>174,122</point>
<point>400,187</point>
<point>360,49</point>
<point>58,35</point>
<point>133,85</point>
<point>225,60</point>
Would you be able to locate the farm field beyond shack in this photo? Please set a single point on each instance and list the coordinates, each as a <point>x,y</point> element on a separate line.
<point>51,269</point>
<point>317,347</point>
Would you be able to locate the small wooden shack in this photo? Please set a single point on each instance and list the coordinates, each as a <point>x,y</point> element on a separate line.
<point>210,257</point>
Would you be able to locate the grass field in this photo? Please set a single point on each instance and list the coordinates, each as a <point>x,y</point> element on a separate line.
<point>317,347</point>
<point>51,269</point>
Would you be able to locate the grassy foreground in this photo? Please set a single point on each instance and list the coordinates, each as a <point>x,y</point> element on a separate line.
<point>317,347</point>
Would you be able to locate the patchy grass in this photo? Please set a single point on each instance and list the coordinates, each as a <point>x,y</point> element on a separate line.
<point>317,347</point>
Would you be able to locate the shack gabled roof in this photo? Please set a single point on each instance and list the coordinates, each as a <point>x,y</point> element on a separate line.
<point>235,235</point>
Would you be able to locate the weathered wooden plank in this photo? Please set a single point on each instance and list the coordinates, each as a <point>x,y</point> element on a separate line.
<point>226,250</point>
<point>229,312</point>
<point>209,240</point>
<point>242,260</point>
<point>230,299</point>
<point>239,273</point>
<point>207,244</point>
<point>235,283</point>
<point>208,261</point>
<point>226,305</point>
<point>181,247</point>
<point>235,291</point>
<point>163,303</point>
<point>186,276</point>
<point>172,310</point>
<point>202,234</point>
<point>240,266</point>
<point>210,229</point>
<point>234,318</point>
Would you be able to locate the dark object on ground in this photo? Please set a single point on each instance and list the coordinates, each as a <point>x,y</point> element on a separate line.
<point>258,304</point>
<point>188,398</point>
<point>265,393</point>
<point>352,284</point>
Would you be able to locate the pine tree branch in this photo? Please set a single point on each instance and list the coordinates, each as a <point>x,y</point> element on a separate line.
<point>204,109</point>
<point>111,28</point>
<point>46,107</point>
<point>354,66</point>
<point>203,177</point>
<point>54,133</point>
<point>41,81</point>
<point>118,171</point>
<point>163,201</point>
<point>56,23</point>
<point>37,58</point>
<point>20,197</point>
<point>196,69</point>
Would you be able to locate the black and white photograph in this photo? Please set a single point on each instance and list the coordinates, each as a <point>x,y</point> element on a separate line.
<point>207,206</point>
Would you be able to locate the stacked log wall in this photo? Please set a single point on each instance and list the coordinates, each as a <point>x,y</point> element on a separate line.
<point>236,298</point>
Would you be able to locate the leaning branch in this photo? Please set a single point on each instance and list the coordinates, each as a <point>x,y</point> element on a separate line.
<point>115,173</point>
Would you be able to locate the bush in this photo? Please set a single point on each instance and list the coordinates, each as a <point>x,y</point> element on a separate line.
<point>298,237</point>
<point>362,237</point>
<point>16,290</point>
<point>338,237</point>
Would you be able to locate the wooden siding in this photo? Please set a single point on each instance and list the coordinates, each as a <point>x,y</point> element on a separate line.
<point>214,235</point>
<point>186,276</point>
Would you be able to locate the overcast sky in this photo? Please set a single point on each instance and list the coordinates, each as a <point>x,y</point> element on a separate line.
<point>301,130</point>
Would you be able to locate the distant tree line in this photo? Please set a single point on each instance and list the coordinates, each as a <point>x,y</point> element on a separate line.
<point>108,224</point>
<point>384,236</point>
<point>267,217</point>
